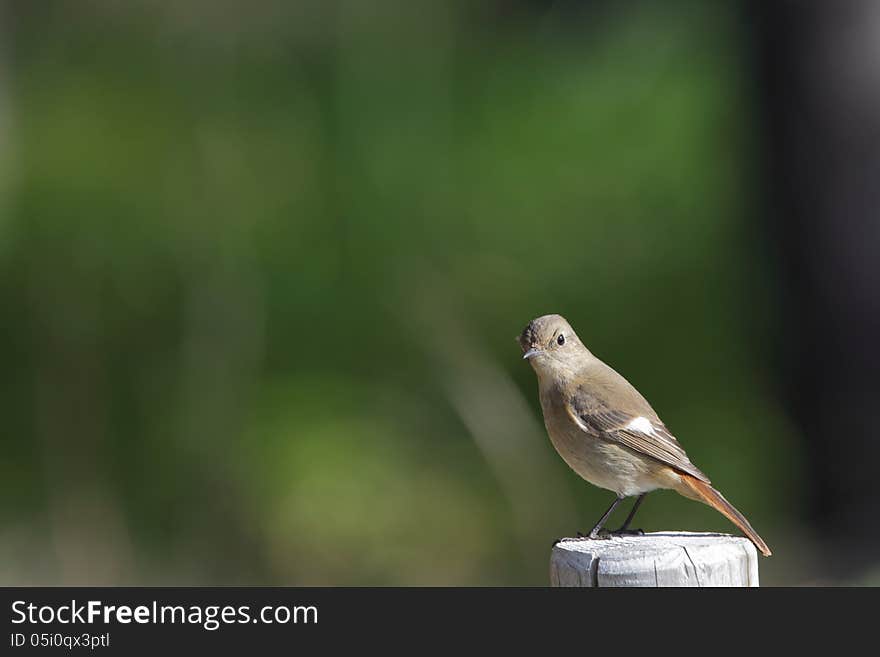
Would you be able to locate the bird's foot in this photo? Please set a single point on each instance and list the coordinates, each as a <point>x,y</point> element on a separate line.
<point>596,534</point>
<point>601,534</point>
<point>628,532</point>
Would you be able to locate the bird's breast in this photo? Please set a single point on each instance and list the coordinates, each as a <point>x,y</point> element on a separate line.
<point>597,460</point>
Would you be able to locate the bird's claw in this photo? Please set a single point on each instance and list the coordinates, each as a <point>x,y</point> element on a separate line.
<point>599,535</point>
<point>628,532</point>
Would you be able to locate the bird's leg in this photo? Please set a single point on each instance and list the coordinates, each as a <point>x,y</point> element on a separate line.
<point>624,528</point>
<point>594,532</point>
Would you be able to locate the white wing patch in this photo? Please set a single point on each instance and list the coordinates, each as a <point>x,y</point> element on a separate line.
<point>580,422</point>
<point>642,425</point>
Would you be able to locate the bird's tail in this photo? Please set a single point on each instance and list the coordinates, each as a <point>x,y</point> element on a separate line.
<point>699,490</point>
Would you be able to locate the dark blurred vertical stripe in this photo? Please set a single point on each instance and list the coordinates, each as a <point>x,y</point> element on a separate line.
<point>817,65</point>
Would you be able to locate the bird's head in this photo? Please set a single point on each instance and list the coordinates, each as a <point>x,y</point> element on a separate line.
<point>549,342</point>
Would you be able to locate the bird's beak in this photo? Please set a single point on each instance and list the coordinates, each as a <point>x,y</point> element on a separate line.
<point>534,351</point>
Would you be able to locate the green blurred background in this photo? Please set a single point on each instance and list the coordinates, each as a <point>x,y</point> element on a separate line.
<point>261,270</point>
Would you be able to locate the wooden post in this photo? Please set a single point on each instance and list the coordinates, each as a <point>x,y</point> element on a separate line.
<point>655,559</point>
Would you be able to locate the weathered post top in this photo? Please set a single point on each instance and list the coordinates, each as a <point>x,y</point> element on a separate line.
<point>655,559</point>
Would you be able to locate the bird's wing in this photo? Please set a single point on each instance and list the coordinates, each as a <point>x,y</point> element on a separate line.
<point>640,433</point>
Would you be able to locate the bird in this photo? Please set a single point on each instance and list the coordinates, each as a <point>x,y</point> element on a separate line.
<point>608,433</point>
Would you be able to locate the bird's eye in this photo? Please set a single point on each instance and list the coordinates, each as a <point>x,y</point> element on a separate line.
<point>560,340</point>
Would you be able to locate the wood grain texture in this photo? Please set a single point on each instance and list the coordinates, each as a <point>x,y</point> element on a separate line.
<point>655,559</point>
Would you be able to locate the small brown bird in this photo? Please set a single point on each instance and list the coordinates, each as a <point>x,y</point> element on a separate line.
<point>607,432</point>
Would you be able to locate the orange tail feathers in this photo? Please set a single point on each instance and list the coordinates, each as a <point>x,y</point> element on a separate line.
<point>700,490</point>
